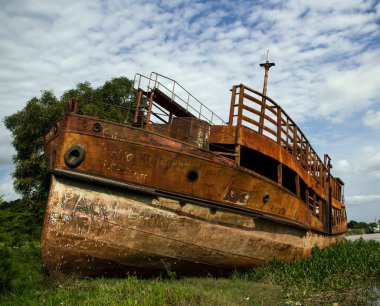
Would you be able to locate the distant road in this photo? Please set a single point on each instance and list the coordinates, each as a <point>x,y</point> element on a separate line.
<point>365,236</point>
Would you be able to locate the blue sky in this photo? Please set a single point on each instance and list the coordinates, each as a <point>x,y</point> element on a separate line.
<point>326,77</point>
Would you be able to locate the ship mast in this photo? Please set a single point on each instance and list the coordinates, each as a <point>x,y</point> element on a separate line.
<point>266,66</point>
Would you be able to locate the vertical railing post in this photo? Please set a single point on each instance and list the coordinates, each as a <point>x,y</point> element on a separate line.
<point>149,107</point>
<point>279,122</point>
<point>262,114</point>
<point>155,82</point>
<point>240,106</point>
<point>287,135</point>
<point>321,175</point>
<point>138,86</point>
<point>238,124</point>
<point>295,140</point>
<point>315,166</point>
<point>232,106</point>
<point>298,189</point>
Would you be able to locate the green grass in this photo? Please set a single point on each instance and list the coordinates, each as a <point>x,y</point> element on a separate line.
<point>31,286</point>
<point>345,273</point>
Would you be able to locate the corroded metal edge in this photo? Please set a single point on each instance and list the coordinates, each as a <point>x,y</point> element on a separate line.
<point>95,230</point>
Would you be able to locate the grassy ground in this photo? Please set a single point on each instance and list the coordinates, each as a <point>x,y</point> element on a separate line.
<point>29,285</point>
<point>345,273</point>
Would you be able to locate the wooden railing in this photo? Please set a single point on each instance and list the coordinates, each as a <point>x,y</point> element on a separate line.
<point>252,109</point>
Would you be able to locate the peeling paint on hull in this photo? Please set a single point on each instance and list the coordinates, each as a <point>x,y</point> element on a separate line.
<point>93,230</point>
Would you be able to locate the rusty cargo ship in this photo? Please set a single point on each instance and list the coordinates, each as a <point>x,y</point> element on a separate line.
<point>176,186</point>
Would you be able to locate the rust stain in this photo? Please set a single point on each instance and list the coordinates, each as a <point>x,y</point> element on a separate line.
<point>126,197</point>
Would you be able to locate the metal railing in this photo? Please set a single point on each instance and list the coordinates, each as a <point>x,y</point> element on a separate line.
<point>252,109</point>
<point>178,94</point>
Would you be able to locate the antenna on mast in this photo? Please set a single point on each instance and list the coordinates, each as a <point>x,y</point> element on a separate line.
<point>266,66</point>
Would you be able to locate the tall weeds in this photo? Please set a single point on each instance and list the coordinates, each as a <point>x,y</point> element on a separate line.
<point>348,271</point>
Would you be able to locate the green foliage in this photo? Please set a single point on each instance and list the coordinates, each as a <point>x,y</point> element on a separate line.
<point>20,221</point>
<point>343,268</point>
<point>5,275</point>
<point>362,225</point>
<point>21,268</point>
<point>69,290</point>
<point>352,224</point>
<point>351,232</point>
<point>29,126</point>
<point>345,273</point>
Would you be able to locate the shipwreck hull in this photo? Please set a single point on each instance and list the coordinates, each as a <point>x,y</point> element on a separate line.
<point>93,230</point>
<point>186,191</point>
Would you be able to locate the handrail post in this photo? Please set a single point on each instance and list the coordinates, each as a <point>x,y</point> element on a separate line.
<point>240,106</point>
<point>149,107</point>
<point>295,140</point>
<point>308,159</point>
<point>262,113</point>
<point>232,106</point>
<point>279,121</point>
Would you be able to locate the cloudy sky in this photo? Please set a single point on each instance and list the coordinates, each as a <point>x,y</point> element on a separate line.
<point>327,73</point>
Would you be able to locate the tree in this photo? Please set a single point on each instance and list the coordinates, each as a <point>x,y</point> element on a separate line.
<point>110,101</point>
<point>352,224</point>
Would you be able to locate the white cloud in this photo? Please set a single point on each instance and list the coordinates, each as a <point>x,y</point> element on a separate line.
<point>372,119</point>
<point>6,188</point>
<point>342,166</point>
<point>347,91</point>
<point>364,198</point>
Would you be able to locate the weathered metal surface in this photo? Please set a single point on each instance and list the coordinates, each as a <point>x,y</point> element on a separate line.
<point>93,230</point>
<point>186,193</point>
<point>189,130</point>
<point>165,164</point>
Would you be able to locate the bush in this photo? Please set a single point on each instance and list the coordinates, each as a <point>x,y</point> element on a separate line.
<point>20,221</point>
<point>5,269</point>
<point>21,268</point>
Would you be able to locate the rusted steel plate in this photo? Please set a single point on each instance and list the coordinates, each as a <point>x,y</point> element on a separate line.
<point>93,230</point>
<point>175,168</point>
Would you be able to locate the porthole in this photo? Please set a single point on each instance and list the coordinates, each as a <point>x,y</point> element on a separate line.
<point>266,198</point>
<point>192,176</point>
<point>97,127</point>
